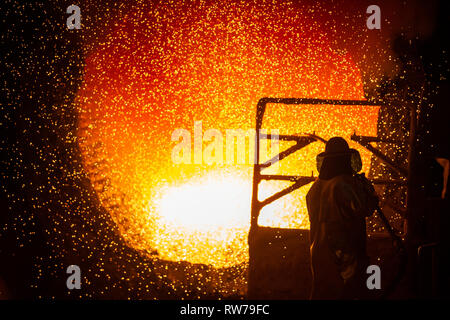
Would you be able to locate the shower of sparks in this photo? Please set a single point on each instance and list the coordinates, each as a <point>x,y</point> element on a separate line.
<point>150,70</point>
<point>177,64</point>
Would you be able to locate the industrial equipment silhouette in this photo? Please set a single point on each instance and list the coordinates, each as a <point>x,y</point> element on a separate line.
<point>279,258</point>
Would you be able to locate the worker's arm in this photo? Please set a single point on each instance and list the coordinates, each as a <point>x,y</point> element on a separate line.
<point>361,196</point>
<point>445,163</point>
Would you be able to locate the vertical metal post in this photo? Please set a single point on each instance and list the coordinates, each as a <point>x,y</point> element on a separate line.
<point>256,179</point>
<point>411,186</point>
<point>413,234</point>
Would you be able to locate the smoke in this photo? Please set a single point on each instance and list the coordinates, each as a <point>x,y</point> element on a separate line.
<point>382,54</point>
<point>378,53</point>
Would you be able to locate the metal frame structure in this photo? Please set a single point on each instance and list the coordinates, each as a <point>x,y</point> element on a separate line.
<point>301,142</point>
<point>257,233</point>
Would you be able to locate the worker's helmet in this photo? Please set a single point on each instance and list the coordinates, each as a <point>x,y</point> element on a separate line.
<point>336,147</point>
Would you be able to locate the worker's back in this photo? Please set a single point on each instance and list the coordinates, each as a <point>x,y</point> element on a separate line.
<point>337,209</point>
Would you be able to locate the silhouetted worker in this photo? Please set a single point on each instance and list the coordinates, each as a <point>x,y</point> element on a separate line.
<point>338,203</point>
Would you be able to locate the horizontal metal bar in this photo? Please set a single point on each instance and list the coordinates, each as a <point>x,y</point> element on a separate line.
<point>287,137</point>
<point>369,139</point>
<point>261,106</point>
<point>312,178</point>
<point>319,101</point>
<point>286,177</point>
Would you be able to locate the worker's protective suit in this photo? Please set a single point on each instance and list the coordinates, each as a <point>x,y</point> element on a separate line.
<point>338,204</point>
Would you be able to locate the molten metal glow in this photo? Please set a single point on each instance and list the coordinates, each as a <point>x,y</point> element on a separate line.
<point>178,64</point>
<point>212,212</point>
<point>212,203</point>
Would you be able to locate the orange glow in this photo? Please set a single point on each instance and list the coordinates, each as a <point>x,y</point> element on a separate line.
<point>164,71</point>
